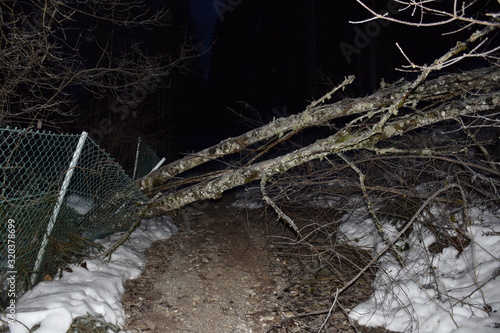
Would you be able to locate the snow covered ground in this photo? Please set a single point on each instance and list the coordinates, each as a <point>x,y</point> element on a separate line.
<point>434,293</point>
<point>95,290</point>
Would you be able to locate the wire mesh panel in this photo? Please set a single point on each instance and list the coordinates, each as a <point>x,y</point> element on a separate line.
<point>98,199</point>
<point>146,160</point>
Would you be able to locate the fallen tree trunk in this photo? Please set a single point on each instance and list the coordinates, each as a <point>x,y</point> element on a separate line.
<point>387,101</point>
<point>444,98</point>
<point>340,142</point>
<point>442,88</point>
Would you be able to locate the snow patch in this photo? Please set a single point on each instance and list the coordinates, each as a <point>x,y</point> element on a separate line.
<point>97,290</point>
<point>439,293</point>
<point>80,204</point>
<point>247,199</point>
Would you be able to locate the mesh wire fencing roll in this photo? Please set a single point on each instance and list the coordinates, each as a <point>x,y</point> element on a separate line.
<point>57,208</point>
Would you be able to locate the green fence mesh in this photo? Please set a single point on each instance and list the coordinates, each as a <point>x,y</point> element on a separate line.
<point>57,209</point>
<point>146,160</point>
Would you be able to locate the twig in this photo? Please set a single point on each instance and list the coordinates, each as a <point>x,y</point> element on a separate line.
<point>449,16</point>
<point>109,251</point>
<point>330,311</point>
<point>347,80</point>
<point>369,203</point>
<point>438,64</point>
<point>281,214</point>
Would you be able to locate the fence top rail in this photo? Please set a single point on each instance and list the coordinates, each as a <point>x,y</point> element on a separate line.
<point>30,130</point>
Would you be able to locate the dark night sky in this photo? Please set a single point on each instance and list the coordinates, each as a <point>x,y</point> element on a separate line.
<point>204,14</point>
<point>279,55</point>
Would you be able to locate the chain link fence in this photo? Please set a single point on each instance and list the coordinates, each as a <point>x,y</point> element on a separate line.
<point>60,193</point>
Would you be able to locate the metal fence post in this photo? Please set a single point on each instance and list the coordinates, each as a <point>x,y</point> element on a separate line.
<point>136,158</point>
<point>57,207</point>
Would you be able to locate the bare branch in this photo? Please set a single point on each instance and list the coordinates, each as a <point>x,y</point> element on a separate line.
<point>425,8</point>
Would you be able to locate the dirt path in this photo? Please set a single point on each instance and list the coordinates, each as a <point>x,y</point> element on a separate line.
<point>219,274</point>
<point>215,275</point>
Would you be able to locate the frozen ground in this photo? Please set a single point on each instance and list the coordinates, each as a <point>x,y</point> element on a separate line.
<point>445,292</point>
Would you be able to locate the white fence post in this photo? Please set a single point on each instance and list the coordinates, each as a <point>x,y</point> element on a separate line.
<point>158,165</point>
<point>57,207</point>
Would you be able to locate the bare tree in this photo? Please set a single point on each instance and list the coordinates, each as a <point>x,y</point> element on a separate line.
<point>42,65</point>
